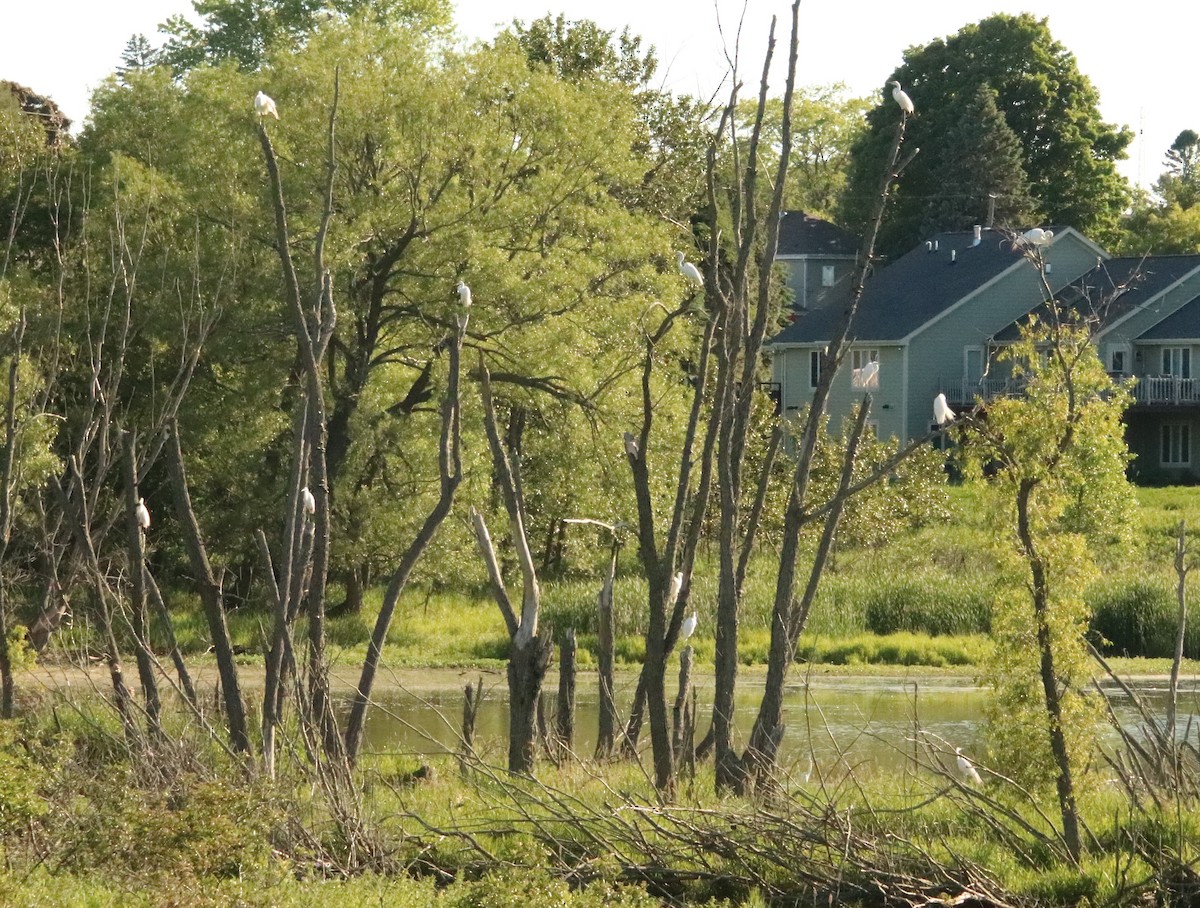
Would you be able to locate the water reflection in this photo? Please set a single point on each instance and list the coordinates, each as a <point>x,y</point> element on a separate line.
<point>867,722</point>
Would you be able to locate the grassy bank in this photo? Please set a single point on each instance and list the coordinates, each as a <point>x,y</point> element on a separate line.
<point>924,598</point>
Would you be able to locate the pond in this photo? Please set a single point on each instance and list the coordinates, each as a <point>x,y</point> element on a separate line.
<point>869,723</point>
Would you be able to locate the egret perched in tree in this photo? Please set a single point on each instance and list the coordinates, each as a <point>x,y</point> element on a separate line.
<point>631,445</point>
<point>264,106</point>
<point>688,270</point>
<point>310,503</point>
<point>867,377</point>
<point>143,514</point>
<point>941,410</point>
<point>688,627</point>
<point>902,98</point>
<point>1036,236</point>
<point>464,294</point>
<point>676,586</point>
<point>967,768</point>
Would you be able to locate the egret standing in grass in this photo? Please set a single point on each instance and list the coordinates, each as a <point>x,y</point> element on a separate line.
<point>902,98</point>
<point>310,503</point>
<point>688,270</point>
<point>143,514</point>
<point>941,410</point>
<point>264,106</point>
<point>966,768</point>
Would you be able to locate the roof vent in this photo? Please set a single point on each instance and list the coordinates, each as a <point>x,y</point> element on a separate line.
<point>929,245</point>
<point>978,235</point>
<point>935,245</point>
<point>1049,267</point>
<point>953,256</point>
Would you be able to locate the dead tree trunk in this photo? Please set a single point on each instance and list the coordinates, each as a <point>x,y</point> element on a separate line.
<point>472,697</point>
<point>137,590</point>
<point>6,493</point>
<point>450,477</point>
<point>681,725</point>
<point>607,721</point>
<point>210,598</point>
<point>564,718</point>
<point>530,654</point>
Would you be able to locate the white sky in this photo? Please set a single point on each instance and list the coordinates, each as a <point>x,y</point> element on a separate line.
<point>1140,58</point>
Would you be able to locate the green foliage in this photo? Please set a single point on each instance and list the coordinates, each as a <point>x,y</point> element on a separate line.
<point>924,607</point>
<point>1160,229</point>
<point>1060,486</point>
<point>1067,152</point>
<point>1137,616</point>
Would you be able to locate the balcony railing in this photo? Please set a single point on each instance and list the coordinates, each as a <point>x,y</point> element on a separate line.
<point>1166,389</point>
<point>986,390</point>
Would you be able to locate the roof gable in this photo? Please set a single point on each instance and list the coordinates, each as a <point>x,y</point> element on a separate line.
<point>916,288</point>
<point>1183,323</point>
<point>802,234</point>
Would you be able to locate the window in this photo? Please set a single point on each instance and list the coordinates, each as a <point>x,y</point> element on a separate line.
<point>814,368</point>
<point>1177,361</point>
<point>1176,444</point>
<point>859,358</point>
<point>1117,363</point>
<point>827,275</point>
<point>973,365</point>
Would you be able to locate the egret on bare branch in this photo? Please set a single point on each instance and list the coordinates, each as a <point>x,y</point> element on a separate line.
<point>902,98</point>
<point>264,106</point>
<point>941,410</point>
<point>688,270</point>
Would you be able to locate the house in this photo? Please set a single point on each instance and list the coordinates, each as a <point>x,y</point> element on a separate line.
<point>936,318</point>
<point>821,259</point>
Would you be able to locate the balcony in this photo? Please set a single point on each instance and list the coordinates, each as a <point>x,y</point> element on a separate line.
<point>964,393</point>
<point>1166,390</point>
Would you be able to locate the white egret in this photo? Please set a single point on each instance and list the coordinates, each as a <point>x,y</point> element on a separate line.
<point>1036,236</point>
<point>631,445</point>
<point>966,768</point>
<point>941,410</point>
<point>807,774</point>
<point>310,503</point>
<point>676,586</point>
<point>143,514</point>
<point>688,270</point>
<point>866,378</point>
<point>688,627</point>
<point>464,294</point>
<point>902,98</point>
<point>264,106</point>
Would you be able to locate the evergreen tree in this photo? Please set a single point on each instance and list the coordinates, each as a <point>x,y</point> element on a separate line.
<point>1180,185</point>
<point>1067,151</point>
<point>982,158</point>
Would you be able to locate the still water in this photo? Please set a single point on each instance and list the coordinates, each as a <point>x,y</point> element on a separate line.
<point>868,723</point>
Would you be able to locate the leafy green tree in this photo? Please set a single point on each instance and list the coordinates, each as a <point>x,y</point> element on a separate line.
<point>1068,152</point>
<point>244,31</point>
<point>1180,185</point>
<point>580,49</point>
<point>982,174</point>
<point>1160,229</point>
<point>1061,486</point>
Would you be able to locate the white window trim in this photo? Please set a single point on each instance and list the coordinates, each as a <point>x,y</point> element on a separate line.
<point>828,275</point>
<point>814,368</point>
<point>1167,361</point>
<point>967,351</point>
<point>1127,351</point>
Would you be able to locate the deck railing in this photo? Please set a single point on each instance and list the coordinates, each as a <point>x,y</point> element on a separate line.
<point>1166,389</point>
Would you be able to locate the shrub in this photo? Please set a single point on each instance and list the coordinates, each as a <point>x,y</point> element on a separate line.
<point>1137,617</point>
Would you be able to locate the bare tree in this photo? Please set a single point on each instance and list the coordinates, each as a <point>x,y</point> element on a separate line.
<point>530,653</point>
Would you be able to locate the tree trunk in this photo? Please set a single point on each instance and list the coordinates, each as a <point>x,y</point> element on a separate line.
<point>137,590</point>
<point>210,598</point>
<point>526,670</point>
<point>679,718</point>
<point>564,719</point>
<point>1050,687</point>
<point>607,723</point>
<point>472,697</point>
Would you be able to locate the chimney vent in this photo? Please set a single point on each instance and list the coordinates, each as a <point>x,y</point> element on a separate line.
<point>978,235</point>
<point>935,245</point>
<point>953,256</point>
<point>1049,267</point>
<point>929,245</point>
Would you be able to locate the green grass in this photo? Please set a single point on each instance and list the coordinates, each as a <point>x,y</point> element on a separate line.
<point>924,598</point>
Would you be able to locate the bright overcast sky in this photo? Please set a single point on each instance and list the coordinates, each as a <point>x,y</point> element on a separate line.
<point>1140,58</point>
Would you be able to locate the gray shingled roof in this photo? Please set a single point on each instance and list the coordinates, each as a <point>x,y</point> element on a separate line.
<point>1184,322</point>
<point>803,234</point>
<point>1141,278</point>
<point>916,287</point>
